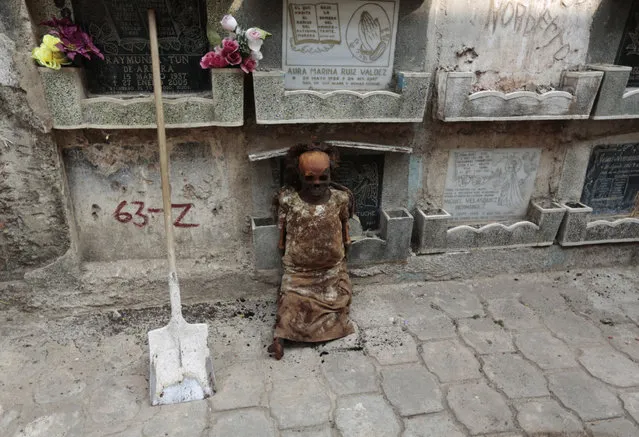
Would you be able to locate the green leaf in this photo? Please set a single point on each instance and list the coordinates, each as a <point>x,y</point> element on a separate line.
<point>214,38</point>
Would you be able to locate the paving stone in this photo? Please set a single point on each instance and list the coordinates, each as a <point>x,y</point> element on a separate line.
<point>350,342</point>
<point>631,403</point>
<point>239,386</point>
<point>573,329</point>
<point>432,425</point>
<point>247,422</point>
<point>411,389</point>
<point>373,308</point>
<point>515,376</point>
<point>299,361</point>
<point>292,401</point>
<point>51,425</point>
<point>632,311</point>
<point>624,338</point>
<point>242,341</point>
<point>349,373</point>
<point>588,397</point>
<point>513,314</point>
<point>545,350</point>
<point>544,299</point>
<point>322,431</point>
<point>610,366</point>
<point>53,387</point>
<point>546,416</point>
<point>450,360</point>
<point>118,400</point>
<point>390,345</point>
<point>185,419</point>
<point>417,315</point>
<point>458,303</point>
<point>613,428</point>
<point>485,336</point>
<point>509,434</point>
<point>366,415</point>
<point>480,408</point>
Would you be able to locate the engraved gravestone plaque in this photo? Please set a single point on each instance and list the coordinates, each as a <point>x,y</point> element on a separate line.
<point>490,184</point>
<point>628,53</point>
<point>363,175</point>
<point>612,179</point>
<point>346,44</point>
<point>120,30</point>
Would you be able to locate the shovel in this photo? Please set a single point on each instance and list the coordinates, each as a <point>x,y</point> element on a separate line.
<point>181,366</point>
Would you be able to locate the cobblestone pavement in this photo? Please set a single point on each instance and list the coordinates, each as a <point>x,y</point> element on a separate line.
<point>551,354</point>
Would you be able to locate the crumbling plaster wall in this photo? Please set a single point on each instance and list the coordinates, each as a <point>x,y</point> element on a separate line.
<point>33,210</point>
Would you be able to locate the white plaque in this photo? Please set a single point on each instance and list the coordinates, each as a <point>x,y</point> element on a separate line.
<point>490,184</point>
<point>339,45</point>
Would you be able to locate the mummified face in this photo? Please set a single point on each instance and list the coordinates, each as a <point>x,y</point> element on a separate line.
<point>315,173</point>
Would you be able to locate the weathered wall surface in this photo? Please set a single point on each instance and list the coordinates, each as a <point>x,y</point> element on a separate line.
<point>33,225</point>
<point>113,176</point>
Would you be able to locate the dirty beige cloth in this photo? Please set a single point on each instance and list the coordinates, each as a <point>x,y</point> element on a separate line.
<point>316,291</point>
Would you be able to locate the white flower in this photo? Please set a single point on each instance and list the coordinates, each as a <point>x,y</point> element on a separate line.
<point>257,55</point>
<point>254,37</point>
<point>229,23</point>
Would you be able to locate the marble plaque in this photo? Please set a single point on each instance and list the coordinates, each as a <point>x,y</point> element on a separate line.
<point>612,179</point>
<point>628,53</point>
<point>120,29</point>
<point>335,45</point>
<point>490,184</point>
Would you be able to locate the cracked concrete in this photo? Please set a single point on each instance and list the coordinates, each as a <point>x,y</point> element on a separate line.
<point>527,355</point>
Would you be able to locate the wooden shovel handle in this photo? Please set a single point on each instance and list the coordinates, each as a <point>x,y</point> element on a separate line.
<point>176,307</point>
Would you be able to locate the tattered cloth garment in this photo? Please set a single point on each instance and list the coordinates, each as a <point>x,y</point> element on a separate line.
<point>315,294</point>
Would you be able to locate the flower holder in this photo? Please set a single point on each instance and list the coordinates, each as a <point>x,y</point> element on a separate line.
<point>456,100</point>
<point>577,229</point>
<point>615,100</point>
<point>392,245</point>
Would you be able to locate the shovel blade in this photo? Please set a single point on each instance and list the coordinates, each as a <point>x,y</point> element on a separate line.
<point>181,365</point>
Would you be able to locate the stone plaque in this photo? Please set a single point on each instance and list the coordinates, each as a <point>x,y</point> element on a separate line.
<point>490,184</point>
<point>612,179</point>
<point>348,44</point>
<point>628,53</point>
<point>120,29</point>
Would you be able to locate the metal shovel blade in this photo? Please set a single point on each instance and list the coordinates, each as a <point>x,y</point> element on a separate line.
<point>181,366</point>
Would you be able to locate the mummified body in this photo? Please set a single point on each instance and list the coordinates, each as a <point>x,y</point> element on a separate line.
<point>313,214</point>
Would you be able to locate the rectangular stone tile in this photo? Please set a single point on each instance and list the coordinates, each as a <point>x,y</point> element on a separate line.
<point>624,338</point>
<point>545,350</point>
<point>514,315</point>
<point>366,415</point>
<point>390,345</point>
<point>190,418</point>
<point>610,366</point>
<point>588,397</point>
<point>299,361</point>
<point>417,315</point>
<point>544,299</point>
<point>614,428</point>
<point>350,372</point>
<point>239,386</point>
<point>572,329</point>
<point>458,303</point>
<point>515,376</point>
<point>485,336</point>
<point>546,416</point>
<point>480,408</point>
<point>631,403</point>
<point>248,422</point>
<point>450,360</point>
<point>432,425</point>
<point>321,431</point>
<point>370,309</point>
<point>300,403</point>
<point>411,389</point>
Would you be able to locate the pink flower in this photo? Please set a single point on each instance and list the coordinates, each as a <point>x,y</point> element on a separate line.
<point>228,23</point>
<point>213,60</point>
<point>229,46</point>
<point>234,58</point>
<point>248,65</point>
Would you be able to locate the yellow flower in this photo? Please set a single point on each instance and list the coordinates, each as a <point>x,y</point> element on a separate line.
<point>48,55</point>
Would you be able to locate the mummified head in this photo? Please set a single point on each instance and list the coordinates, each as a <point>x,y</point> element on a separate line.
<point>309,168</point>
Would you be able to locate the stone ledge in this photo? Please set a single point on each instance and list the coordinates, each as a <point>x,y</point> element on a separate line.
<point>72,108</point>
<point>457,102</point>
<point>577,229</point>
<point>275,105</point>
<point>615,100</point>
<point>432,233</point>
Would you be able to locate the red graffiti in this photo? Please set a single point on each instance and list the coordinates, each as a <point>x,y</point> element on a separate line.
<point>140,219</point>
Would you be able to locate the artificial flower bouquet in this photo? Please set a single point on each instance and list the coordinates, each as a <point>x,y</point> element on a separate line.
<point>240,49</point>
<point>63,43</point>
